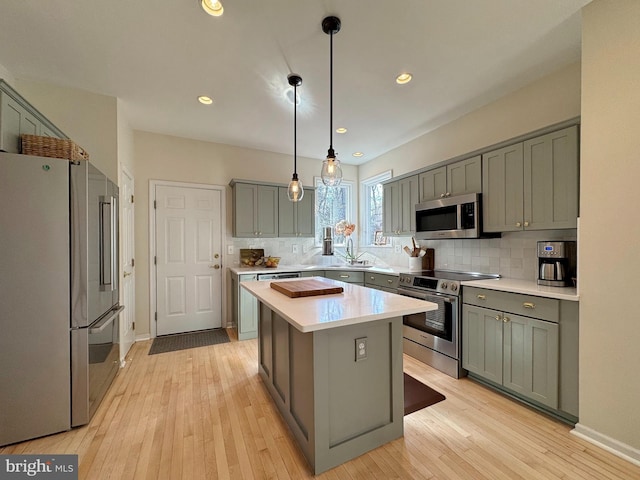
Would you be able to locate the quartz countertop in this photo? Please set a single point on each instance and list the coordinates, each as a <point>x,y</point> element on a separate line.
<point>355,305</point>
<point>309,268</point>
<point>527,287</point>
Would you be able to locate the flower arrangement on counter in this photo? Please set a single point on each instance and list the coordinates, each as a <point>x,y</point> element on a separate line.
<point>346,228</point>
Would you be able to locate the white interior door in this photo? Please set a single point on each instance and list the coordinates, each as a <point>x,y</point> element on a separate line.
<point>188,254</point>
<point>127,318</point>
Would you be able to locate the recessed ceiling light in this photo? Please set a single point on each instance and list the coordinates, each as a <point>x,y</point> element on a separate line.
<point>203,99</point>
<point>212,7</point>
<point>341,130</point>
<point>357,154</point>
<point>403,78</point>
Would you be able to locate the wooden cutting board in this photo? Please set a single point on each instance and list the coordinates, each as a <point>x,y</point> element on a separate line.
<point>305,288</point>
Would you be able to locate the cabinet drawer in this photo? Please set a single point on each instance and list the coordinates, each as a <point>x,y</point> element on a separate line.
<point>381,280</point>
<point>526,305</point>
<point>345,276</point>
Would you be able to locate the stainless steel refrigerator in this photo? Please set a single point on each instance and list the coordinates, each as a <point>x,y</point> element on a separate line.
<point>59,337</point>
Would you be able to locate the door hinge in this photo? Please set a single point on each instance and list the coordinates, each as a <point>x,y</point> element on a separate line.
<point>156,316</point>
<point>131,198</point>
<point>155,205</point>
<point>133,325</point>
<point>133,262</point>
<point>155,260</point>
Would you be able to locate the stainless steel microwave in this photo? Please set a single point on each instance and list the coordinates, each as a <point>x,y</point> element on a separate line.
<point>450,217</point>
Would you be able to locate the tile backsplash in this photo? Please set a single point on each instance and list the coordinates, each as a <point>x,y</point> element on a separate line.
<point>512,256</point>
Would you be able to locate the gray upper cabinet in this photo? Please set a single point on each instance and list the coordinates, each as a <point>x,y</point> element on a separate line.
<point>18,117</point>
<point>296,219</point>
<point>399,200</point>
<point>532,185</point>
<point>255,210</point>
<point>457,178</point>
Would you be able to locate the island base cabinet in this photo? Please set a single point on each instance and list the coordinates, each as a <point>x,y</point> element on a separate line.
<point>336,407</point>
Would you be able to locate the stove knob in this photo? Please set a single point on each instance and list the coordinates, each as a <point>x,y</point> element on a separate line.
<point>444,285</point>
<point>454,287</point>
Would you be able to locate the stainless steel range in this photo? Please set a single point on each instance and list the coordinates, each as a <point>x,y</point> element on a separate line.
<point>434,337</point>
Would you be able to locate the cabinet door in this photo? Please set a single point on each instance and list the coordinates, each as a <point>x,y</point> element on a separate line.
<point>391,209</point>
<point>408,192</point>
<point>245,199</point>
<point>247,311</point>
<point>482,342</point>
<point>502,189</point>
<point>267,211</point>
<point>305,214</point>
<point>433,184</point>
<point>551,180</point>
<point>15,120</point>
<point>465,176</point>
<point>531,358</point>
<point>286,214</point>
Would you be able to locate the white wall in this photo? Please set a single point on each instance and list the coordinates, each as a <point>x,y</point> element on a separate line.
<point>162,157</point>
<point>89,119</point>
<point>609,227</point>
<point>550,100</point>
<point>7,76</point>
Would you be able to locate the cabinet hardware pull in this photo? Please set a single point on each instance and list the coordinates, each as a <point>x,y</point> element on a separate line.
<point>526,224</point>
<point>390,281</point>
<point>344,276</point>
<point>481,297</point>
<point>372,277</point>
<point>518,224</point>
<point>506,319</point>
<point>442,195</point>
<point>529,305</point>
<point>497,317</point>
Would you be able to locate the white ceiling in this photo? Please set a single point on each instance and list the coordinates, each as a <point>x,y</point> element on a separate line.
<point>158,56</point>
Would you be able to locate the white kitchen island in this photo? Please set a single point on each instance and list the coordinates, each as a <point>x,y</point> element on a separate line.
<point>337,402</point>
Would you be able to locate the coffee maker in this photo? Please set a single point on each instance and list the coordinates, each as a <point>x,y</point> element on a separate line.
<point>556,263</point>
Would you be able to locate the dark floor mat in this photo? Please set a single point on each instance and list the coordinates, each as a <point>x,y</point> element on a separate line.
<point>182,341</point>
<point>417,395</point>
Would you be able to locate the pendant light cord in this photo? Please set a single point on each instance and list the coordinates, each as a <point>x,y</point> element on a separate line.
<point>331,91</point>
<point>295,131</point>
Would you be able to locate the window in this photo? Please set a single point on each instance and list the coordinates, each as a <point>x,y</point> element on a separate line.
<point>332,205</point>
<point>372,208</point>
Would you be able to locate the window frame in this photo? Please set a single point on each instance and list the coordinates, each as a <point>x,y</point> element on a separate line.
<point>365,207</point>
<point>350,207</point>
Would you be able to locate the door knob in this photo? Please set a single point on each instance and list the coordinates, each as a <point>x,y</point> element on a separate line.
<point>126,274</point>
<point>216,266</point>
<point>216,256</point>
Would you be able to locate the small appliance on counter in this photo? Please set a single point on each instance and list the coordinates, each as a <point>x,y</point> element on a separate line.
<point>556,263</point>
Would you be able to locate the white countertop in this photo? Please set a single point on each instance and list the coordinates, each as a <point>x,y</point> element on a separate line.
<point>527,287</point>
<point>310,268</point>
<point>355,305</point>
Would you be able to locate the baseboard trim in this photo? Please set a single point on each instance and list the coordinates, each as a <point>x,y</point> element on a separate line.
<point>609,444</point>
<point>142,337</point>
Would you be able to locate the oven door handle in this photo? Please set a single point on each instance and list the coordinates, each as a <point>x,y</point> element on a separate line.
<point>424,295</point>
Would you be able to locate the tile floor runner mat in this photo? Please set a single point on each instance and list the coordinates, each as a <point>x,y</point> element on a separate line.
<point>417,395</point>
<point>182,341</point>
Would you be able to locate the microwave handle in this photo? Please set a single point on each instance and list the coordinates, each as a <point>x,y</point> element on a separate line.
<point>459,216</point>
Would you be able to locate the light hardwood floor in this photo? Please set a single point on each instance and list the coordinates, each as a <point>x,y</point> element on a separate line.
<point>204,414</point>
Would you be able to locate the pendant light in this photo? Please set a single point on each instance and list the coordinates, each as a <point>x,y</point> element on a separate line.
<point>295,191</point>
<point>331,171</point>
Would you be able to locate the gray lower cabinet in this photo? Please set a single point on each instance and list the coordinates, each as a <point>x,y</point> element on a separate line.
<point>348,276</point>
<point>296,219</point>
<point>244,307</point>
<point>532,185</point>
<point>18,117</point>
<point>525,345</point>
<point>255,210</point>
<point>381,281</point>
<point>313,273</point>
<point>399,200</point>
<point>458,178</point>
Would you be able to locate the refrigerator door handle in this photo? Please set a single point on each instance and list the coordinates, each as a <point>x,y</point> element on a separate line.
<point>108,257</point>
<point>102,324</point>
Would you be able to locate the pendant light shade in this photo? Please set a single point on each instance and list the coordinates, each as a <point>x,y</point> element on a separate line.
<point>331,171</point>
<point>295,191</point>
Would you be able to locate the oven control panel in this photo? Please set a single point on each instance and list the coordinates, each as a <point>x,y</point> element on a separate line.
<point>449,287</point>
